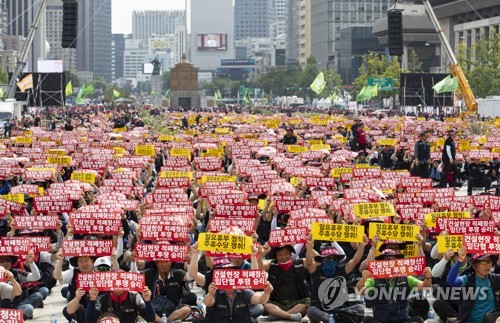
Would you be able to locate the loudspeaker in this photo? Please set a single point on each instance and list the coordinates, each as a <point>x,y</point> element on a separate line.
<point>395,32</point>
<point>70,23</point>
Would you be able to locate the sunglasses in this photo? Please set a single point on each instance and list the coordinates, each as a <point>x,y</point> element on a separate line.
<point>102,268</point>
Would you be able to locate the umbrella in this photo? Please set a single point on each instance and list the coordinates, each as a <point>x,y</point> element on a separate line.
<point>123,100</point>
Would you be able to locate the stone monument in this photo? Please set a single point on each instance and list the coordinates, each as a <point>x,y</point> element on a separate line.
<point>156,94</point>
<point>184,90</point>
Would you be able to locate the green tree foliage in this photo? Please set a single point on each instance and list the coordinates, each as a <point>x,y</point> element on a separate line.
<point>4,78</point>
<point>481,65</point>
<point>100,83</point>
<point>377,66</point>
<point>165,81</point>
<point>75,80</point>
<point>414,63</point>
<point>226,86</point>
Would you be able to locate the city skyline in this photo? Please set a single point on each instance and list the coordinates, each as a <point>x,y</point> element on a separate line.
<point>122,11</point>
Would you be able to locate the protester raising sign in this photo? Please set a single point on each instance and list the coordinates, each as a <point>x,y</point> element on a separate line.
<point>225,243</point>
<point>382,269</point>
<point>240,279</point>
<point>111,281</point>
<point>337,232</point>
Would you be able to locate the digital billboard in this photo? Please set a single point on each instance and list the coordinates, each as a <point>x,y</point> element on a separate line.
<point>212,41</point>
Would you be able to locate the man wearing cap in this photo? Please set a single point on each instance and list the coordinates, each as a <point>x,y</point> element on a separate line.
<point>395,309</point>
<point>331,271</point>
<point>290,297</point>
<point>482,307</point>
<point>477,175</point>
<point>289,138</point>
<point>422,155</point>
<point>449,161</point>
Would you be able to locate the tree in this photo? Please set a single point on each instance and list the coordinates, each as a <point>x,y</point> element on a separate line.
<point>165,80</point>
<point>377,66</point>
<point>100,83</point>
<point>4,78</point>
<point>481,65</point>
<point>308,75</point>
<point>414,62</point>
<point>333,82</point>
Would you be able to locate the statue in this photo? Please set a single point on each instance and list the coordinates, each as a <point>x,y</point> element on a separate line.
<point>156,66</point>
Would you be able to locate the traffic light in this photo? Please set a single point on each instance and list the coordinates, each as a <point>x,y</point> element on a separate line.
<point>395,32</point>
<point>70,21</point>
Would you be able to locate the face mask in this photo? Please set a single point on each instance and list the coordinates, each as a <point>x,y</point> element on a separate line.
<point>329,267</point>
<point>285,265</point>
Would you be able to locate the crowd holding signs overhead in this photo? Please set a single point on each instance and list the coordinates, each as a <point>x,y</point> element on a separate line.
<point>289,217</point>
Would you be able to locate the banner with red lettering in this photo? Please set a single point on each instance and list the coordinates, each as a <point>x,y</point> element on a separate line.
<point>93,223</point>
<point>380,269</point>
<point>164,232</point>
<point>111,280</point>
<point>53,203</point>
<point>240,279</point>
<point>286,205</point>
<point>218,224</point>
<point>481,244</point>
<point>93,248</point>
<point>16,247</point>
<point>8,315</point>
<point>160,252</point>
<point>240,211</point>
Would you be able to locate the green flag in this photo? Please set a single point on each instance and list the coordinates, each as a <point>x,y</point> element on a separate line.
<point>448,84</point>
<point>69,88</point>
<point>79,99</point>
<point>116,94</point>
<point>246,97</point>
<point>362,94</point>
<point>373,91</point>
<point>168,94</point>
<point>89,90</point>
<point>318,84</point>
<point>83,89</point>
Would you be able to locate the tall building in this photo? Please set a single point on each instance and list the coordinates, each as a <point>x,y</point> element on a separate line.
<point>304,31</point>
<point>280,8</point>
<point>146,24</point>
<point>292,32</point>
<point>94,40</point>
<point>210,25</point>
<point>118,50</point>
<point>253,18</point>
<point>329,17</point>
<point>21,14</point>
<point>133,58</point>
<point>3,21</point>
<point>54,23</point>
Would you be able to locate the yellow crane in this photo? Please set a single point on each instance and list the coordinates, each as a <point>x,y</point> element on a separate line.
<point>455,69</point>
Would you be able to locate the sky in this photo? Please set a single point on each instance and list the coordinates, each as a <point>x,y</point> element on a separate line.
<point>122,11</point>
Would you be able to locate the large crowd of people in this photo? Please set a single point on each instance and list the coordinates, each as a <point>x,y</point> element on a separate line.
<point>342,213</point>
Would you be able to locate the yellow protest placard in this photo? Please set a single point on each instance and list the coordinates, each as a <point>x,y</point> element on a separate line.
<point>215,151</point>
<point>495,150</point>
<point>272,124</point>
<point>16,198</point>
<point>320,147</point>
<point>222,130</point>
<point>370,210</point>
<point>319,122</point>
<point>211,154</point>
<point>41,191</point>
<point>387,142</point>
<point>482,140</point>
<point>119,151</point>
<point>225,243</point>
<point>24,140</point>
<point>295,121</point>
<point>118,130</point>
<point>430,218</point>
<point>410,251</point>
<point>337,232</point>
<point>83,177</point>
<point>145,150</point>
<point>404,232</point>
<point>166,138</point>
<point>59,160</point>
<point>249,136</point>
<point>315,142</point>
<point>28,133</point>
<point>180,152</point>
<point>295,181</point>
<point>175,174</point>
<point>464,145</point>
<point>221,178</point>
<point>296,149</point>
<point>440,142</point>
<point>336,172</point>
<point>189,132</point>
<point>449,242</point>
<point>421,119</point>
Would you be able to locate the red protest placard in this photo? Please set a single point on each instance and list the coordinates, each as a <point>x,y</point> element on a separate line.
<point>231,198</point>
<point>218,224</point>
<point>111,280</point>
<point>183,182</point>
<point>380,269</point>
<point>36,223</point>
<point>164,232</point>
<point>287,236</point>
<point>83,223</point>
<point>94,248</point>
<point>160,252</point>
<point>8,315</point>
<point>481,244</point>
<point>416,182</point>
<point>465,226</point>
<point>240,211</point>
<point>53,203</point>
<point>37,244</point>
<point>25,189</point>
<point>283,205</point>
<point>240,279</point>
<point>16,247</point>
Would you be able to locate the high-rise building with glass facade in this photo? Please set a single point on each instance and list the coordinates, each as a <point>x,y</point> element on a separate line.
<point>253,18</point>
<point>146,24</point>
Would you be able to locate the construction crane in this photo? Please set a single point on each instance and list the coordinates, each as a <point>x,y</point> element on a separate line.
<point>455,68</point>
<point>9,94</point>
